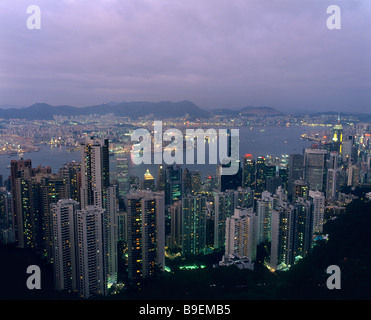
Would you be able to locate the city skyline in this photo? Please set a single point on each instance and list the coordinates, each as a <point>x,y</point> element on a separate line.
<point>276,53</point>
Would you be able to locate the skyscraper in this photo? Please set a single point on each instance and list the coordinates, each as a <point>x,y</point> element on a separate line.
<point>295,167</point>
<point>318,200</point>
<point>248,171</point>
<point>193,224</point>
<point>260,181</point>
<point>90,251</point>
<point>241,234</point>
<point>264,207</point>
<point>122,169</point>
<point>94,171</point>
<point>173,184</point>
<point>64,246</point>
<point>224,204</point>
<point>146,234</point>
<point>110,236</point>
<point>315,169</point>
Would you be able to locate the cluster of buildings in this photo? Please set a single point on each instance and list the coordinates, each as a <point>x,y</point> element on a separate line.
<point>77,217</point>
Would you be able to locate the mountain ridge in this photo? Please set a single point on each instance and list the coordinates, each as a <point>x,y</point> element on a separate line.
<point>133,109</point>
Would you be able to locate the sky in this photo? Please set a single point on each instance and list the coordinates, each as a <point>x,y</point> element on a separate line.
<point>215,53</point>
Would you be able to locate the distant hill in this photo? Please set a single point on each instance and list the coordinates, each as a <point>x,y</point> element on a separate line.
<point>248,111</point>
<point>134,110</point>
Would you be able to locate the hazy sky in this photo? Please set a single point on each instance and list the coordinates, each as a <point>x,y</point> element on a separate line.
<point>216,53</point>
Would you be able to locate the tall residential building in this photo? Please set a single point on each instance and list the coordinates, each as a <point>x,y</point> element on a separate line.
<point>224,204</point>
<point>303,228</point>
<point>71,174</point>
<point>318,200</point>
<point>241,234</point>
<point>146,234</point>
<point>244,198</point>
<point>64,245</point>
<point>25,203</point>
<point>110,236</point>
<point>291,234</point>
<point>176,224</point>
<point>295,167</point>
<point>333,183</point>
<point>353,175</point>
<point>315,169</point>
<point>193,224</point>
<point>264,207</point>
<point>90,251</point>
<point>94,171</point>
<point>281,237</point>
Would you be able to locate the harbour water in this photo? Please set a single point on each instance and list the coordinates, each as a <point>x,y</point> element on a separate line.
<point>257,141</point>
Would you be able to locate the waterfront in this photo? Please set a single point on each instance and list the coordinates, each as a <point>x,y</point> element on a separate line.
<point>257,141</point>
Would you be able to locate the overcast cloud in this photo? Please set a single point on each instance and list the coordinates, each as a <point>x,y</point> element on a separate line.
<point>216,53</point>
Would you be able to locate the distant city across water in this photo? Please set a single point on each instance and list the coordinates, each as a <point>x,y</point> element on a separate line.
<point>257,141</point>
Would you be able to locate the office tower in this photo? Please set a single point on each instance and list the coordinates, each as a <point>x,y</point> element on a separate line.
<point>273,183</point>
<point>333,183</point>
<point>244,198</point>
<point>230,182</point>
<point>146,234</point>
<point>315,169</point>
<point>187,184</point>
<point>176,225</point>
<point>248,171</point>
<point>64,246</point>
<point>122,169</point>
<point>353,175</point>
<point>260,181</point>
<point>233,181</point>
<point>195,177</point>
<point>90,251</point>
<point>284,175</point>
<point>211,183</point>
<point>318,200</point>
<point>337,137</point>
<point>295,167</point>
<point>300,190</point>
<point>173,184</point>
<point>94,171</point>
<point>149,181</point>
<point>193,224</point>
<point>348,143</point>
<point>241,234</point>
<point>224,204</point>
<point>71,174</point>
<point>161,179</point>
<point>110,236</point>
<point>264,207</point>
